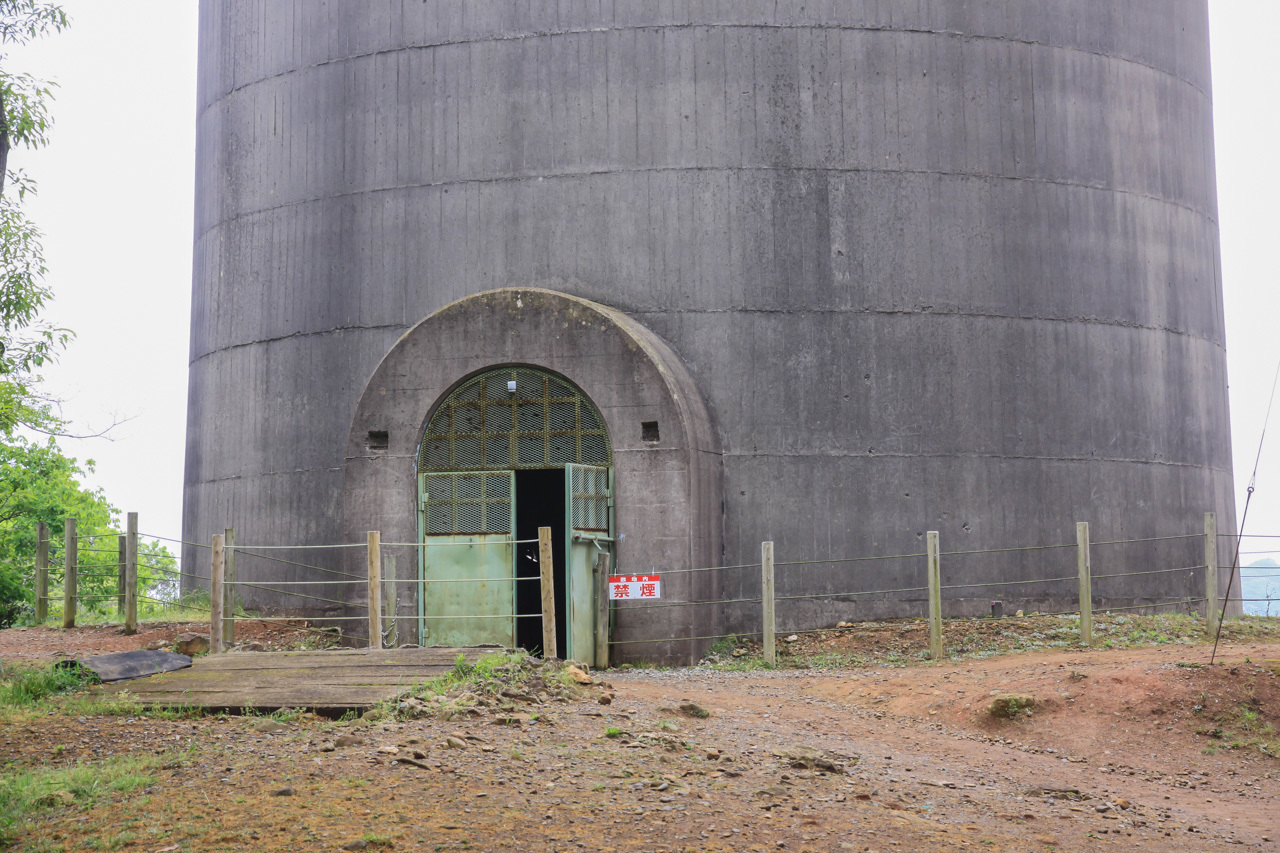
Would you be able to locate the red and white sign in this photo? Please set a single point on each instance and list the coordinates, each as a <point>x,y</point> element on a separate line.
<point>635,586</point>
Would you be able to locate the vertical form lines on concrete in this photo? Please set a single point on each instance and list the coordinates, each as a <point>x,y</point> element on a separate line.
<point>603,562</point>
<point>1210,571</point>
<point>42,572</point>
<point>375,589</point>
<point>935,597</point>
<point>217,567</point>
<point>69,562</point>
<point>766,603</point>
<point>547,570</point>
<point>229,585</point>
<point>131,573</point>
<point>1084,565</point>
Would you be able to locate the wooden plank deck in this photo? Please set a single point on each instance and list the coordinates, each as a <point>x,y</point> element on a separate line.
<point>332,681</point>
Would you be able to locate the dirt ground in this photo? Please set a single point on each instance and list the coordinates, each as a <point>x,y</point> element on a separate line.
<point>41,644</point>
<point>1144,749</point>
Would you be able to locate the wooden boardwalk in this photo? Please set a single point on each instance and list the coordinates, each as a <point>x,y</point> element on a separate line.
<point>333,681</point>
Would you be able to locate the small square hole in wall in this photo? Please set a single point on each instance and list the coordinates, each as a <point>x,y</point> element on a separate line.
<point>377,440</point>
<point>649,432</point>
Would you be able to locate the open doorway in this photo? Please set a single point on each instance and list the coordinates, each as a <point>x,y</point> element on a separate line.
<point>540,502</point>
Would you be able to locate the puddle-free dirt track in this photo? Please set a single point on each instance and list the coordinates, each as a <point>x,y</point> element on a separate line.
<point>1110,757</point>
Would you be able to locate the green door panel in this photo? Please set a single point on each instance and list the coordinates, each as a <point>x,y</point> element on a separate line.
<point>590,520</point>
<point>468,562</point>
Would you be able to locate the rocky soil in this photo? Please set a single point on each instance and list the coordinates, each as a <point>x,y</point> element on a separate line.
<point>1145,749</point>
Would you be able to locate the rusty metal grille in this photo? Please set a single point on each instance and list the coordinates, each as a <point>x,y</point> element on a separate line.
<point>546,423</point>
<point>467,503</point>
<point>589,499</point>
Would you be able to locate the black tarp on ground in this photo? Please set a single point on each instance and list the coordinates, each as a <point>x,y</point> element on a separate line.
<point>123,666</point>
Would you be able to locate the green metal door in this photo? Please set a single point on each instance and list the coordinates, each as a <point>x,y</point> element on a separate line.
<point>589,505</point>
<point>468,562</point>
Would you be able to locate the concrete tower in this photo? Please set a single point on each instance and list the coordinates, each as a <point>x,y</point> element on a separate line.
<point>831,273</point>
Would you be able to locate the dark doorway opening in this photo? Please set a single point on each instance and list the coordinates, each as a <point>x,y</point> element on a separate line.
<point>540,497</point>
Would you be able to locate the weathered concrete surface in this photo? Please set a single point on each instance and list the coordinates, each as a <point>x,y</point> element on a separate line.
<point>667,497</point>
<point>934,265</point>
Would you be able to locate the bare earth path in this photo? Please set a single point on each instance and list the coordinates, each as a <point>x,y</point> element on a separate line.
<point>1110,758</point>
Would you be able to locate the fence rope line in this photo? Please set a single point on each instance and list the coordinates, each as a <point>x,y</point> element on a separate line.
<point>629,608</point>
<point>1151,539</point>
<point>239,551</point>
<point>177,541</point>
<point>286,592</point>
<point>849,560</point>
<point>848,594</point>
<point>618,572</point>
<point>300,547</point>
<point>459,544</point>
<point>1008,583</point>
<point>683,639</point>
<point>1001,550</point>
<point>1150,572</point>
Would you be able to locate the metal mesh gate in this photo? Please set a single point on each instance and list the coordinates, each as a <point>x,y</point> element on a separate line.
<point>467,502</point>
<point>540,422</point>
<point>589,499</point>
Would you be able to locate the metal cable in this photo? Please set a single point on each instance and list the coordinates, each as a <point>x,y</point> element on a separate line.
<point>302,583</point>
<point>296,594</point>
<point>448,544</point>
<point>299,547</point>
<point>1161,604</point>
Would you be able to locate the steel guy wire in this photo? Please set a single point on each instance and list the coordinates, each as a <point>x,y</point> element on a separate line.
<point>458,544</point>
<point>177,541</point>
<point>1253,484</point>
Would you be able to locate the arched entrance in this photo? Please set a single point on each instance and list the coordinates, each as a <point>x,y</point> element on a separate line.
<point>508,451</point>
<point>661,443</point>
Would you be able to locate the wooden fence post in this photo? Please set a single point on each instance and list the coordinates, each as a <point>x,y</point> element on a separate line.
<point>217,568</point>
<point>70,560</point>
<point>603,562</point>
<point>935,596</point>
<point>1210,572</point>
<point>770,626</point>
<point>42,572</point>
<point>547,568</point>
<point>229,586</point>
<point>375,589</point>
<point>131,573</point>
<point>1084,564</point>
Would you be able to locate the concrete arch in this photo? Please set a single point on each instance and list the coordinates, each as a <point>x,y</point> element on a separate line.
<point>668,491</point>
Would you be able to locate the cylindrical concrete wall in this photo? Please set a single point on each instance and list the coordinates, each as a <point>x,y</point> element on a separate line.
<point>934,265</point>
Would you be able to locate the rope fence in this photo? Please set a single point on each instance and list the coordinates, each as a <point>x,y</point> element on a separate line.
<point>344,595</point>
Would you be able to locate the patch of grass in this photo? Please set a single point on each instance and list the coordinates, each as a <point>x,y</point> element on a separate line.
<point>26,686</point>
<point>25,794</point>
<point>613,731</point>
<point>669,726</point>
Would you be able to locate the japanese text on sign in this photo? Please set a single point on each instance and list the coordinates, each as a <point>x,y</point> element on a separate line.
<point>634,586</point>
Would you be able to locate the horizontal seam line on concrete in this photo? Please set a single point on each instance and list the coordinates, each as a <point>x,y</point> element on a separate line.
<point>906,312</point>
<point>843,454</point>
<point>230,477</point>
<point>708,25</point>
<point>781,311</point>
<point>588,173</point>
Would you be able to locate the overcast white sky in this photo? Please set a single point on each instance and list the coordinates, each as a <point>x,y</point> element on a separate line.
<point>116,205</point>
